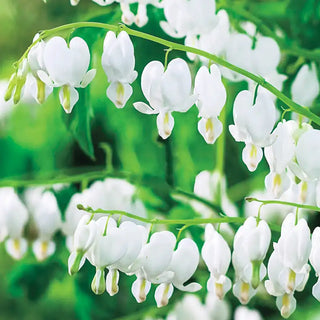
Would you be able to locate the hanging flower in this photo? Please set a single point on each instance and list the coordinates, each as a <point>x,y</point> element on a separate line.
<point>217,256</point>
<point>167,91</point>
<point>288,268</point>
<point>39,90</point>
<point>14,217</point>
<point>211,99</point>
<point>118,63</point>
<point>46,217</point>
<point>279,155</point>
<point>253,125</point>
<point>152,263</point>
<point>135,236</point>
<point>109,247</point>
<point>184,263</point>
<point>251,243</point>
<point>83,239</point>
<point>305,87</point>
<point>66,67</point>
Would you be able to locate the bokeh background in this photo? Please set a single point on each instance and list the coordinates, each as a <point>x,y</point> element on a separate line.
<point>41,142</point>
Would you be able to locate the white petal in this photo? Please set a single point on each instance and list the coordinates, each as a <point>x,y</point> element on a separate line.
<point>165,123</point>
<point>68,96</point>
<point>210,129</point>
<point>43,249</point>
<point>184,261</point>
<point>286,304</point>
<point>119,93</point>
<point>140,289</point>
<point>211,92</point>
<point>151,83</point>
<point>144,108</point>
<point>316,290</point>
<point>251,156</point>
<point>176,85</point>
<point>88,78</point>
<point>112,282</point>
<point>308,153</point>
<point>163,293</point>
<point>305,87</point>
<point>44,77</point>
<point>16,248</point>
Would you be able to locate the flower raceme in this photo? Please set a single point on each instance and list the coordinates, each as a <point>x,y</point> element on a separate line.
<point>125,249</point>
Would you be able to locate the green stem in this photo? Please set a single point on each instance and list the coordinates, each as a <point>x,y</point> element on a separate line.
<point>68,177</point>
<point>292,204</point>
<point>156,221</point>
<point>193,196</point>
<point>179,47</point>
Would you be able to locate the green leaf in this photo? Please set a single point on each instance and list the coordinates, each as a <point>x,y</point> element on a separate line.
<point>78,122</point>
<point>33,280</point>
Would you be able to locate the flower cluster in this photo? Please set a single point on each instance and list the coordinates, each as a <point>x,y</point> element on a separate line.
<point>126,248</point>
<point>34,216</point>
<point>40,211</point>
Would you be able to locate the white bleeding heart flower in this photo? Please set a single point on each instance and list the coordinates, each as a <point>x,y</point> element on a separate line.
<point>217,256</point>
<point>135,236</point>
<point>14,217</point>
<point>253,125</point>
<point>251,243</point>
<point>118,62</point>
<point>152,263</point>
<point>294,245</point>
<point>166,91</point>
<point>315,260</point>
<point>184,263</point>
<point>39,90</point>
<point>279,155</point>
<point>67,67</point>
<point>46,216</point>
<point>212,96</point>
<point>288,268</point>
<point>109,246</point>
<point>277,285</point>
<point>305,87</point>
<point>83,239</point>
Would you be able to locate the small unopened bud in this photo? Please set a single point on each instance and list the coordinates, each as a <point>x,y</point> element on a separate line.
<point>98,285</point>
<point>21,80</point>
<point>75,262</point>
<point>285,309</point>
<point>41,91</point>
<point>11,86</point>
<point>112,282</point>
